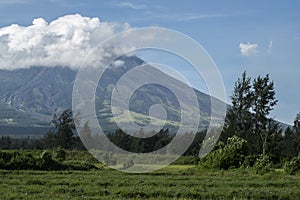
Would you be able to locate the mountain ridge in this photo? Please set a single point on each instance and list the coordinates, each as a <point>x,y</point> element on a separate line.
<point>29,97</point>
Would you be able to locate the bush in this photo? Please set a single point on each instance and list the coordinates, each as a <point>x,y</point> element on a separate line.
<point>187,160</point>
<point>45,162</point>
<point>24,160</point>
<point>4,159</point>
<point>77,165</point>
<point>263,165</point>
<point>230,156</point>
<point>60,154</point>
<point>249,161</point>
<point>128,164</point>
<point>292,167</point>
<point>109,159</point>
<point>19,161</point>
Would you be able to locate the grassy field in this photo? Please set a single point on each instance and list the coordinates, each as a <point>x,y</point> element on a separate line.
<point>173,182</point>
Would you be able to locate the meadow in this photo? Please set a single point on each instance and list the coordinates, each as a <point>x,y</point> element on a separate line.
<point>172,182</point>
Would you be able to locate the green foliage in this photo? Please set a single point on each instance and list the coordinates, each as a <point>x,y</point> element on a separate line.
<point>80,156</point>
<point>252,102</point>
<point>7,142</point>
<point>60,154</point>
<point>4,159</point>
<point>62,133</point>
<point>264,102</point>
<point>109,159</point>
<point>230,156</point>
<point>45,162</point>
<point>194,148</point>
<point>249,161</point>
<point>41,160</point>
<point>238,118</point>
<point>293,167</point>
<point>139,144</point>
<point>187,160</point>
<point>263,165</point>
<point>128,164</point>
<point>86,136</point>
<point>79,165</point>
<point>20,161</point>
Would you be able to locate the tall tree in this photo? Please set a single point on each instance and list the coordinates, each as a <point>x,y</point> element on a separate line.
<point>291,139</point>
<point>238,118</point>
<point>297,123</point>
<point>248,117</point>
<point>86,136</point>
<point>264,102</point>
<point>297,131</point>
<point>61,135</point>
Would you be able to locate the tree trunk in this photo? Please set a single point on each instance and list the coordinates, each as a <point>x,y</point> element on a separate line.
<point>264,147</point>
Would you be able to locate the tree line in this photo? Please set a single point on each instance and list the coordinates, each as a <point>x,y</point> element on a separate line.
<point>247,118</point>
<point>63,135</point>
<point>250,137</point>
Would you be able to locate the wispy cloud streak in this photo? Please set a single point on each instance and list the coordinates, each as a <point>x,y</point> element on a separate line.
<point>130,5</point>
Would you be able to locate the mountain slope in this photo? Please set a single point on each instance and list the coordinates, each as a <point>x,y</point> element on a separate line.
<point>28,97</point>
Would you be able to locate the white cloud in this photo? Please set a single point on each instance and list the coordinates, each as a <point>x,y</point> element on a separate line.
<point>131,5</point>
<point>248,49</point>
<point>118,63</point>
<point>189,17</point>
<point>65,41</point>
<point>270,47</point>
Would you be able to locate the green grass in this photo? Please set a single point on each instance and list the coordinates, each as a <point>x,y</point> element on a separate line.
<point>170,183</point>
<point>173,182</point>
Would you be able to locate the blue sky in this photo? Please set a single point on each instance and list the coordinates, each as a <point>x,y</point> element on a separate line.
<point>267,31</point>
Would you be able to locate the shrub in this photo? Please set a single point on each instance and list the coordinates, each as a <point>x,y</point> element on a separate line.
<point>60,154</point>
<point>187,160</point>
<point>249,161</point>
<point>109,159</point>
<point>263,165</point>
<point>45,162</point>
<point>21,161</point>
<point>293,167</point>
<point>230,156</point>
<point>77,165</point>
<point>4,159</point>
<point>128,164</point>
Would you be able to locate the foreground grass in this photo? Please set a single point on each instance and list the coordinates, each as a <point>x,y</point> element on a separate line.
<point>169,183</point>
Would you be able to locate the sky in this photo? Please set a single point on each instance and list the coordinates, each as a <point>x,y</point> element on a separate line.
<point>257,36</point>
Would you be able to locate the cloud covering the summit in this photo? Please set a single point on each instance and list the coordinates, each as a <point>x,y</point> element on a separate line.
<point>65,41</point>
